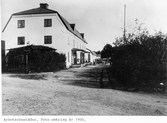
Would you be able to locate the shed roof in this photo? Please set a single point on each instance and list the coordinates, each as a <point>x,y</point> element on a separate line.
<point>76,49</point>
<point>93,52</point>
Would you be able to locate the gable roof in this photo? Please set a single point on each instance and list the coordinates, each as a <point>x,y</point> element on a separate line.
<point>35,11</point>
<point>45,10</point>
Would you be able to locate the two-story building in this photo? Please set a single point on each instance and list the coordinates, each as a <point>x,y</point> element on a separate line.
<point>43,26</point>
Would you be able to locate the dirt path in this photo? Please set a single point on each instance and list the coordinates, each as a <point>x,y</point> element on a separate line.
<point>74,91</point>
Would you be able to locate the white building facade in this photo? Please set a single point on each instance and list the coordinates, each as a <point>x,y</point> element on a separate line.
<point>42,26</point>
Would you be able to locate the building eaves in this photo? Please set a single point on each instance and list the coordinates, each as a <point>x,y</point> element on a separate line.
<point>68,26</point>
<point>6,24</point>
<point>77,49</point>
<point>93,52</point>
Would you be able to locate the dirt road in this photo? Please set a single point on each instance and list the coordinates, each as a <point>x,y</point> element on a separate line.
<point>73,91</point>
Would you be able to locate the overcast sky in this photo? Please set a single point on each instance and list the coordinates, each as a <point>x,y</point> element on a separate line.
<point>100,20</point>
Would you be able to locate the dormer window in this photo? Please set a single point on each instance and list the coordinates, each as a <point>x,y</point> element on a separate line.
<point>47,22</point>
<point>21,23</point>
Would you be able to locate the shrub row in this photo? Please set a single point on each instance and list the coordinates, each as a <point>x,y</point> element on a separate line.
<point>141,63</point>
<point>34,61</point>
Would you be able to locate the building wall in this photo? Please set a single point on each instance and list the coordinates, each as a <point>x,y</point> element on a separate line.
<point>34,33</point>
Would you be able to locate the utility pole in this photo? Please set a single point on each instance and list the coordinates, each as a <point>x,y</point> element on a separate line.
<point>124,23</point>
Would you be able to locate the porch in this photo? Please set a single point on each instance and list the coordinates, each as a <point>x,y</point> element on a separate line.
<point>79,56</point>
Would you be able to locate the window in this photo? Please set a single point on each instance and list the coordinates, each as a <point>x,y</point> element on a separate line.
<point>47,22</point>
<point>21,23</point>
<point>21,40</point>
<point>73,43</point>
<point>48,40</point>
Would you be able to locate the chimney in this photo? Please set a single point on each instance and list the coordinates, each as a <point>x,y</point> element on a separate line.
<point>44,5</point>
<point>72,26</point>
<point>82,34</point>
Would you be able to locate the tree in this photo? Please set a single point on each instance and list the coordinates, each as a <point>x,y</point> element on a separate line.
<point>141,62</point>
<point>107,51</point>
<point>98,52</point>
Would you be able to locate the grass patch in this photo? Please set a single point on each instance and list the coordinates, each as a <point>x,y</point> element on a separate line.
<point>30,76</point>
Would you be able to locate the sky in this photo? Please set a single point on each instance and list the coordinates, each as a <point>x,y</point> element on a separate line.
<point>100,20</point>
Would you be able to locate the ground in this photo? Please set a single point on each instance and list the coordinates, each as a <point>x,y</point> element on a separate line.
<point>74,91</point>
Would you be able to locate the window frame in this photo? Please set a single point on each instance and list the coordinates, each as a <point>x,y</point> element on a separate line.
<point>20,23</point>
<point>19,40</point>
<point>47,22</point>
<point>48,39</point>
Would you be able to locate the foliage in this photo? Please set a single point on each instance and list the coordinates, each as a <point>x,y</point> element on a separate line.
<point>38,61</point>
<point>107,51</point>
<point>140,62</point>
<point>46,61</point>
<point>98,52</point>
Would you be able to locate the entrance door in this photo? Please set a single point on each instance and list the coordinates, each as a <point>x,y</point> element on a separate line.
<point>82,58</point>
<point>74,56</point>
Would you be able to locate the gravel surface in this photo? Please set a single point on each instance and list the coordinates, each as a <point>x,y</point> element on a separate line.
<point>74,91</point>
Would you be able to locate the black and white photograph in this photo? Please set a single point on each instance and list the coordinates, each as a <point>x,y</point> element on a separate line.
<point>81,60</point>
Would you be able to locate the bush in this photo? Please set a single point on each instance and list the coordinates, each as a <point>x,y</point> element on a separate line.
<point>46,61</point>
<point>141,62</point>
<point>38,60</point>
